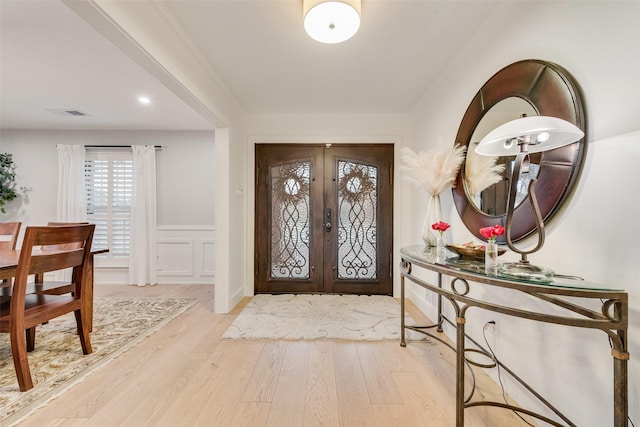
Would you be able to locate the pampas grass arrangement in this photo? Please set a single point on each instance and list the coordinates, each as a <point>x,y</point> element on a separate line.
<point>481,172</point>
<point>433,170</point>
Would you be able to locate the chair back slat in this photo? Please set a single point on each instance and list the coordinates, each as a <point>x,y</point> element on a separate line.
<point>65,224</point>
<point>56,260</point>
<point>58,235</point>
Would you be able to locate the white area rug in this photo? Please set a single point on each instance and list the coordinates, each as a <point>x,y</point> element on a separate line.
<point>312,317</point>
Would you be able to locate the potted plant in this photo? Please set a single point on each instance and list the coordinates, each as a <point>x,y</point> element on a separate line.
<point>7,180</point>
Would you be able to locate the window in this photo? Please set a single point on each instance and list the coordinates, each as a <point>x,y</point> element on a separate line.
<point>109,183</point>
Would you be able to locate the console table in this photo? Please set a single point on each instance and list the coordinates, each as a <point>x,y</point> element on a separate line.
<point>568,300</point>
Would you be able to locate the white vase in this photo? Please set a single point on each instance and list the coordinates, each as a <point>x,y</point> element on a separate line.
<point>433,215</point>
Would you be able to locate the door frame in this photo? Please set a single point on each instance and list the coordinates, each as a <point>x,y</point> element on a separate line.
<point>249,195</point>
<point>324,194</point>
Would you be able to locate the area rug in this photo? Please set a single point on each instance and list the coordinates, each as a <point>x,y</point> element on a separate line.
<point>57,363</point>
<point>313,317</point>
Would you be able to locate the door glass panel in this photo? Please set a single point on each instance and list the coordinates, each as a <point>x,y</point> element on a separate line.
<point>357,231</point>
<point>290,220</point>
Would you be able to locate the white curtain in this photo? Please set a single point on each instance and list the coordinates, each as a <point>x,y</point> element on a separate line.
<point>72,202</point>
<point>142,237</point>
<point>72,199</point>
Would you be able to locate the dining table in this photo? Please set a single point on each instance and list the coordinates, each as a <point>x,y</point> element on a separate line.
<point>9,264</point>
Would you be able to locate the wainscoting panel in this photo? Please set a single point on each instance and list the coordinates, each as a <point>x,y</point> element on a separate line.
<point>175,257</point>
<point>186,255</point>
<point>208,257</point>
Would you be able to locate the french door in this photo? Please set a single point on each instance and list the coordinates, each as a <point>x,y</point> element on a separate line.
<point>324,218</point>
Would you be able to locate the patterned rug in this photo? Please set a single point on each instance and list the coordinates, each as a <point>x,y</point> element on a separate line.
<point>57,363</point>
<point>312,317</point>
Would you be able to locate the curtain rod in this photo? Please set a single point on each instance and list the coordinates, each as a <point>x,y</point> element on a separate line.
<point>157,147</point>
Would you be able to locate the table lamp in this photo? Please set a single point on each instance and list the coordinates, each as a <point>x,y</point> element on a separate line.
<point>521,137</point>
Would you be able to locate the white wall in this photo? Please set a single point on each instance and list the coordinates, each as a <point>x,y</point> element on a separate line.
<point>596,234</point>
<point>185,181</point>
<point>232,212</point>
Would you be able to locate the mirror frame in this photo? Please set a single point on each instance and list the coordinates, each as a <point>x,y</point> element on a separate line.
<point>551,91</point>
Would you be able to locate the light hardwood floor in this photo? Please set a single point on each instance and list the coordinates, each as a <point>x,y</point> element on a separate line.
<point>185,375</point>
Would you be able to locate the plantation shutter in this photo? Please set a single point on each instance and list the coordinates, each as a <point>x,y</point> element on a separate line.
<point>109,183</point>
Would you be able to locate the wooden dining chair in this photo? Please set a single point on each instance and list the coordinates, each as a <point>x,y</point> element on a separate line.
<point>51,286</point>
<point>9,234</point>
<point>24,311</point>
<point>9,237</point>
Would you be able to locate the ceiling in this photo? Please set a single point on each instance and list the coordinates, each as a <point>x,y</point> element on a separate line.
<point>53,60</point>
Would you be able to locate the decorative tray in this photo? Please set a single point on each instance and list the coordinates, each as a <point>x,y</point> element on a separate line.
<point>471,252</point>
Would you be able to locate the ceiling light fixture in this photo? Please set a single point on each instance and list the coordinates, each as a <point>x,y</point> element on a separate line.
<point>331,21</point>
<point>144,100</point>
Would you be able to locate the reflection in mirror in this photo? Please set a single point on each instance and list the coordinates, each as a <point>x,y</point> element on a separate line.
<point>487,179</point>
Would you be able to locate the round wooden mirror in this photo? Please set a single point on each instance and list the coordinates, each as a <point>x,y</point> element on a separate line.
<point>545,89</point>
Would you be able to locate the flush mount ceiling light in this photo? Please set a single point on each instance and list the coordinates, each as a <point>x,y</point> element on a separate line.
<point>331,21</point>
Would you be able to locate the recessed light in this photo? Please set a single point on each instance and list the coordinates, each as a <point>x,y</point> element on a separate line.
<point>144,100</point>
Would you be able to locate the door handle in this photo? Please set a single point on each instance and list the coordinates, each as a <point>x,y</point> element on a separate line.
<point>327,218</point>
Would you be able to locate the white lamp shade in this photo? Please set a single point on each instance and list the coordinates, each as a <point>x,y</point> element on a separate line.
<point>544,132</point>
<point>331,21</point>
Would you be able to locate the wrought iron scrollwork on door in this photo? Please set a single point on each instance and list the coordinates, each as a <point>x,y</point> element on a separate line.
<point>357,220</point>
<point>290,227</point>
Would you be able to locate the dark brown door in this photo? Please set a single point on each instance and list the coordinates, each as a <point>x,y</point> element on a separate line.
<point>324,219</point>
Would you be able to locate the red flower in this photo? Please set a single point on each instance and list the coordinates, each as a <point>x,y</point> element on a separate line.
<point>490,233</point>
<point>440,226</point>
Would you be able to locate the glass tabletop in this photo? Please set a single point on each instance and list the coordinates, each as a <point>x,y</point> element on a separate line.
<point>427,255</point>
